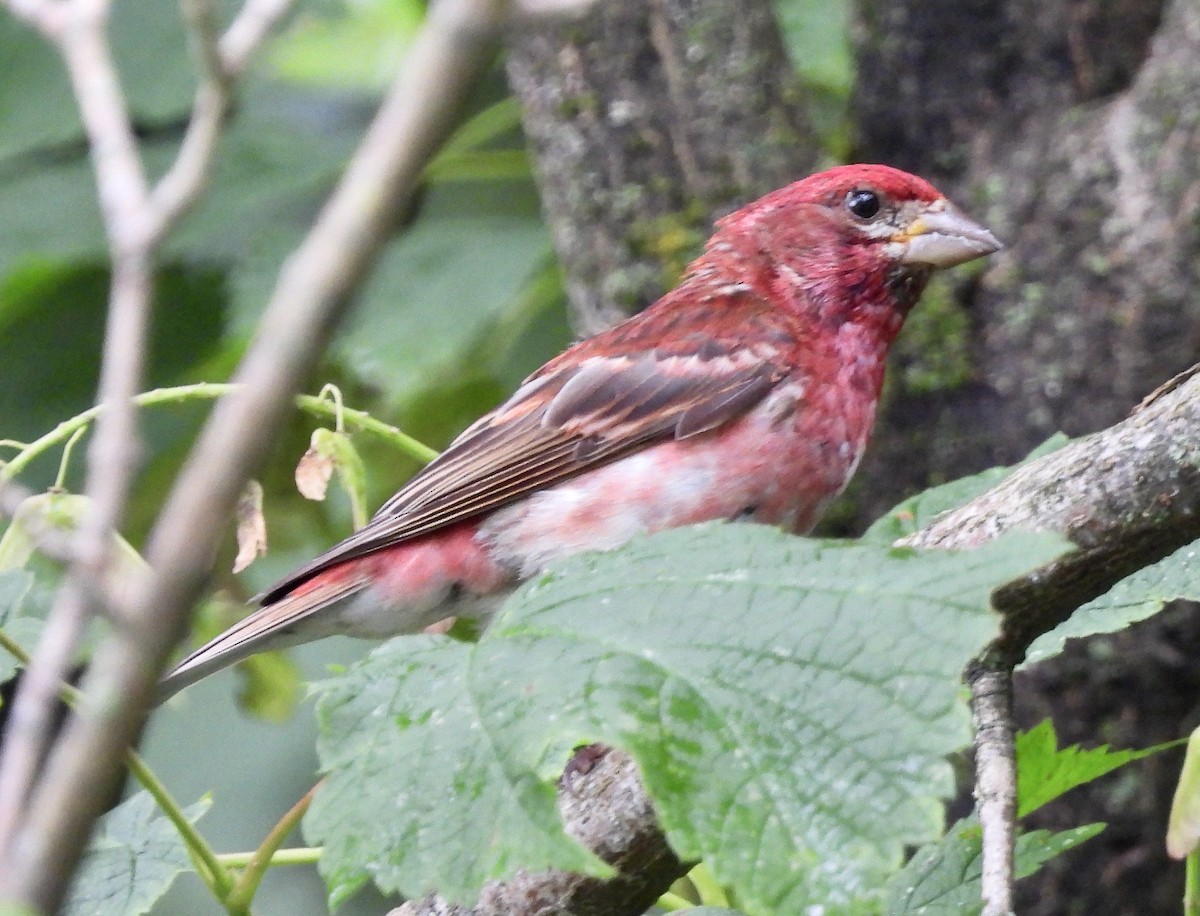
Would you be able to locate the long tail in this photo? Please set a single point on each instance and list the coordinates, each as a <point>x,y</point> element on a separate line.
<point>275,626</point>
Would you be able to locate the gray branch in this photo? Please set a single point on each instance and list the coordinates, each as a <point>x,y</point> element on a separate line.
<point>1126,496</point>
<point>607,810</point>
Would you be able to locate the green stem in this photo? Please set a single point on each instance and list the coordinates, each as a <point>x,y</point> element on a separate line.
<point>208,391</point>
<point>673,903</point>
<point>7,644</point>
<point>1191,884</point>
<point>208,866</point>
<point>403,442</point>
<point>65,461</point>
<point>238,902</point>
<point>297,855</point>
<point>711,893</point>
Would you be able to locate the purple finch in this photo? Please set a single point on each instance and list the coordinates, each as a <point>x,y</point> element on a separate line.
<point>748,392</point>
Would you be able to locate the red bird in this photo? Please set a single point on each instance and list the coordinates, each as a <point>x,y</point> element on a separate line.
<point>747,392</point>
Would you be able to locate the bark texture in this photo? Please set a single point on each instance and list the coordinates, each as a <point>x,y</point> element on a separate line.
<point>647,121</point>
<point>607,810</point>
<point>1073,130</point>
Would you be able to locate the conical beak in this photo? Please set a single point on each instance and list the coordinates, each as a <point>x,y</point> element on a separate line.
<point>943,237</point>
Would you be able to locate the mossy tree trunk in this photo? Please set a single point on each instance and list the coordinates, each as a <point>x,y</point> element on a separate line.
<point>648,120</point>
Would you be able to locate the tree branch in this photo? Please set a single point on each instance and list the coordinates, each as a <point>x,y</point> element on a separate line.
<point>647,121</point>
<point>995,782</point>
<point>1127,496</point>
<point>608,811</point>
<point>112,454</point>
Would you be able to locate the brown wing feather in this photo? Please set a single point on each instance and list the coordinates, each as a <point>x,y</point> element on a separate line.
<point>566,420</point>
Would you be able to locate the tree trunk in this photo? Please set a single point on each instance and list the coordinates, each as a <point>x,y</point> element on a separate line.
<point>647,121</point>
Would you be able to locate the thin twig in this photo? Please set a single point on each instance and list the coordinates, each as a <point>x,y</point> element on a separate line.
<point>248,31</point>
<point>47,16</point>
<point>207,391</point>
<point>112,455</point>
<point>995,781</point>
<point>179,188</point>
<point>222,60</point>
<point>211,870</point>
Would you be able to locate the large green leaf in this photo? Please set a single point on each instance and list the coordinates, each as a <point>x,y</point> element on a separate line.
<point>132,860</point>
<point>788,701</point>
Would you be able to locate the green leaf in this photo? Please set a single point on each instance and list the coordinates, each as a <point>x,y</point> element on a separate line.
<point>52,325</point>
<point>918,511</point>
<point>36,108</point>
<point>54,511</point>
<point>1134,598</point>
<point>1044,772</point>
<point>943,879</point>
<point>818,37</point>
<point>789,703</point>
<point>402,824</point>
<point>132,860</point>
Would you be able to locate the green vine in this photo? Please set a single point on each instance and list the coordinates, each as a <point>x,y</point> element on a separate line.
<point>207,391</point>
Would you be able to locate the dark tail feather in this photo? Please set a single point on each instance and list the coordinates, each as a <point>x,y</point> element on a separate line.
<point>276,626</point>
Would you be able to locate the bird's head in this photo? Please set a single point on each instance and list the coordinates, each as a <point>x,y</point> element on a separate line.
<point>853,240</point>
<point>902,216</point>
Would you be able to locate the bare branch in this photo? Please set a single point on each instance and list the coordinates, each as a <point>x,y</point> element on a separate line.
<point>315,285</point>
<point>47,16</point>
<point>112,453</point>
<point>182,183</point>
<point>248,31</point>
<point>607,810</point>
<point>1127,496</point>
<point>995,782</point>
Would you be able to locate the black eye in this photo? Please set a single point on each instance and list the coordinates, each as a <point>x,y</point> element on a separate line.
<point>863,204</point>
